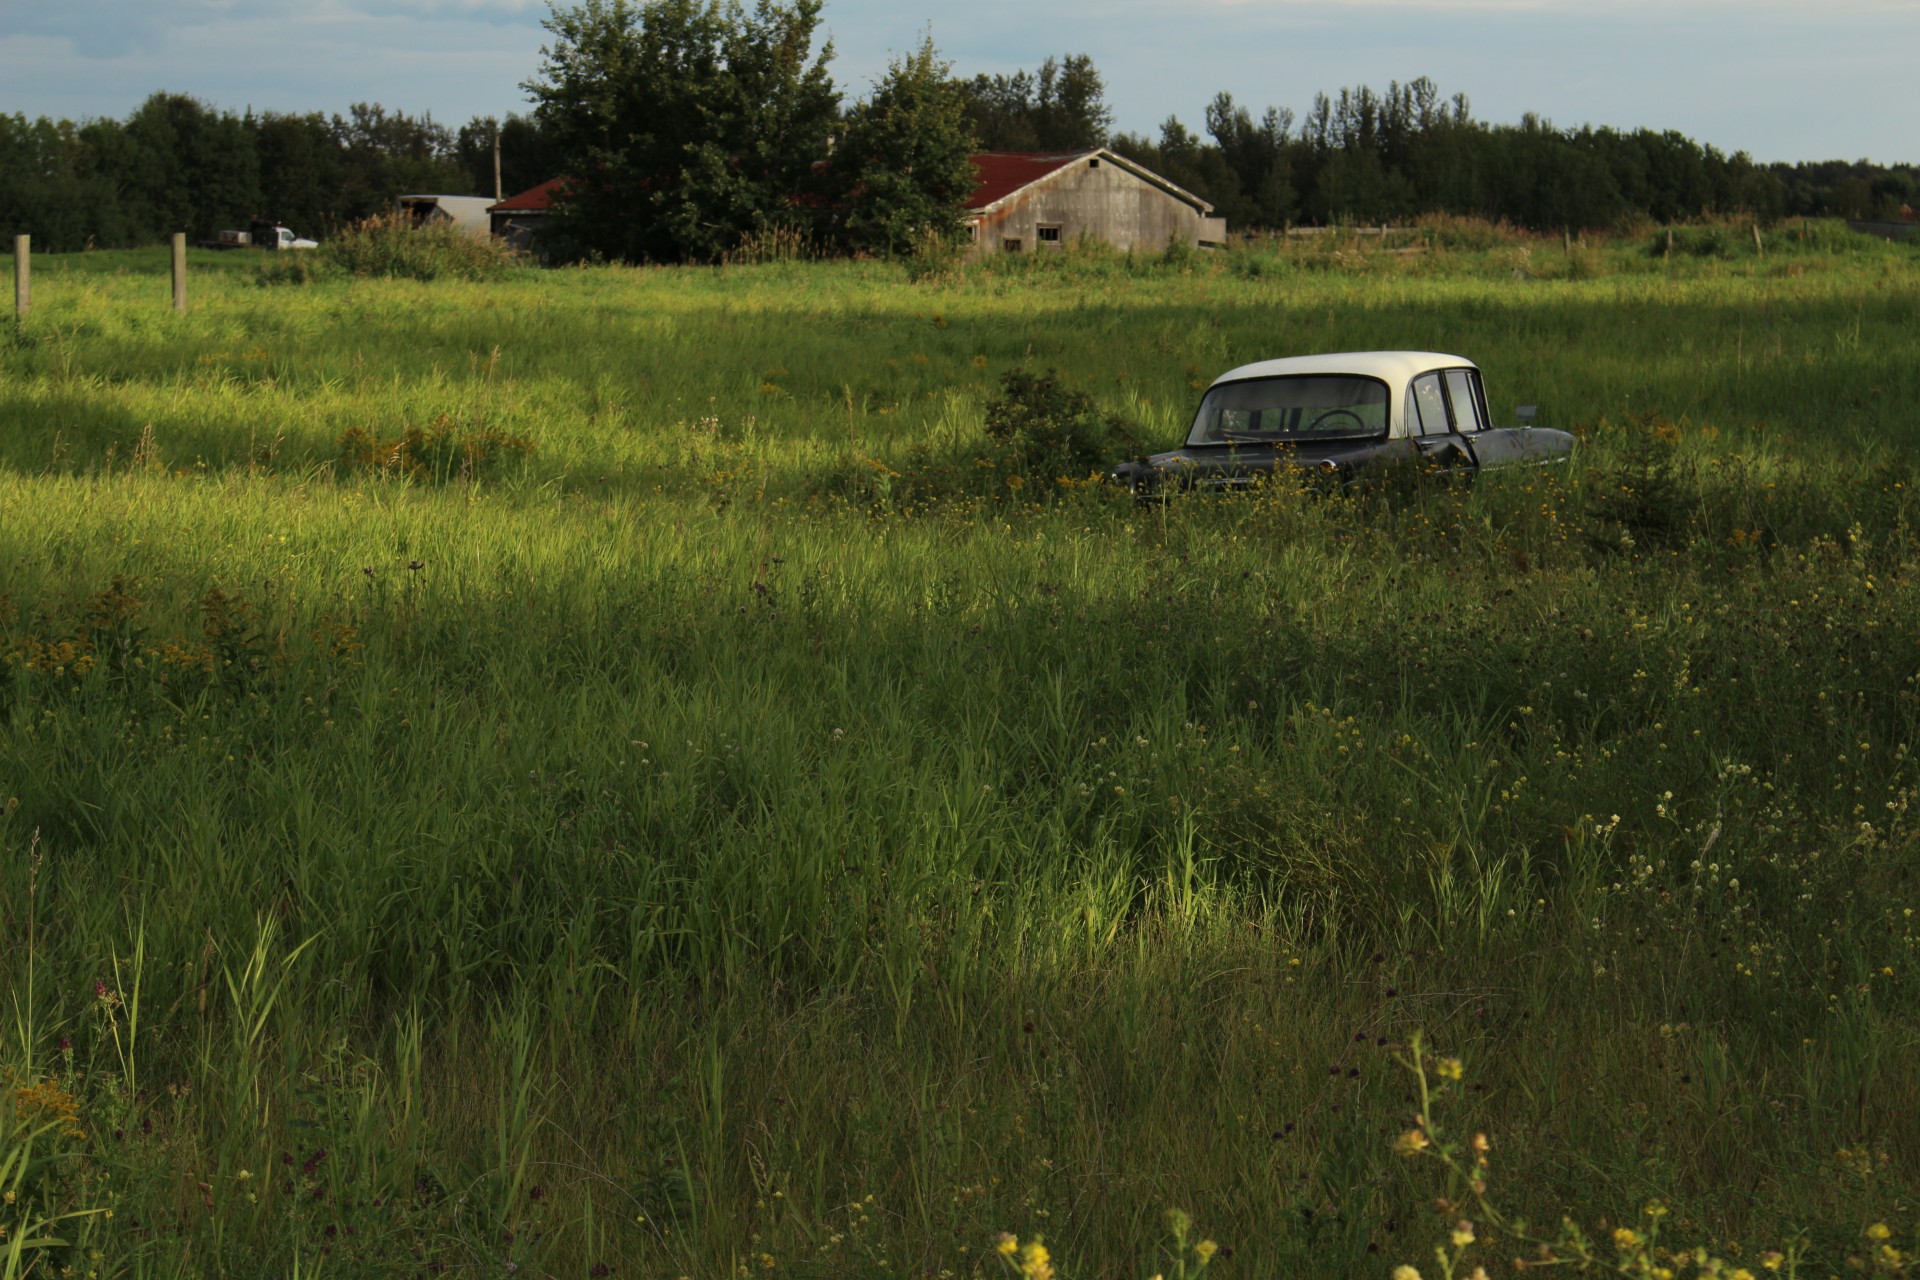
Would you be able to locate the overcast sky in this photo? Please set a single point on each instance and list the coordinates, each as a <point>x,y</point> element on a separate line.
<point>1781,80</point>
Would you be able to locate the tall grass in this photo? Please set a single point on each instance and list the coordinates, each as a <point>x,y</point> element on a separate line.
<point>660,858</point>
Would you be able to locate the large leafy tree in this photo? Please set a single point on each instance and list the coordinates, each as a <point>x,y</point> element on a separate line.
<point>390,153</point>
<point>903,168</point>
<point>190,166</point>
<point>301,172</point>
<point>685,124</point>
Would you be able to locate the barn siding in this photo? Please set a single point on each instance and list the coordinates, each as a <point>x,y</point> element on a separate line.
<point>1098,198</point>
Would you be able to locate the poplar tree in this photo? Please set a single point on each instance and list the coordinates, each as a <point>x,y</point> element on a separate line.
<point>903,170</point>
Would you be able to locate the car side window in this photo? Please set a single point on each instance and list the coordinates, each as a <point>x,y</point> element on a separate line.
<point>1466,405</point>
<point>1427,407</point>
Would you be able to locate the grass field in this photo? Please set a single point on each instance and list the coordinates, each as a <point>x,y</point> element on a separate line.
<point>603,773</point>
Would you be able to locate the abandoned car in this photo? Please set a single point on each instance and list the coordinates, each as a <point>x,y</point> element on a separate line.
<point>1340,416</point>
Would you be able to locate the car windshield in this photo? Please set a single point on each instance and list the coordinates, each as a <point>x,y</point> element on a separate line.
<point>1308,407</point>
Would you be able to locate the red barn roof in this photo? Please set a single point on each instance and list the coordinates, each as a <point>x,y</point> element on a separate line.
<point>536,200</point>
<point>1004,172</point>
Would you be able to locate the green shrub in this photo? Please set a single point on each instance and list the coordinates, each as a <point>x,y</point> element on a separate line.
<point>443,451</point>
<point>1049,429</point>
<point>935,258</point>
<point>390,245</point>
<point>295,267</point>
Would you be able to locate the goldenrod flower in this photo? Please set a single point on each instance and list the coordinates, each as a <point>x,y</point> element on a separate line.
<point>1412,1142</point>
<point>1449,1069</point>
<point>1878,1231</point>
<point>1625,1238</point>
<point>1405,1272</point>
<point>1206,1249</point>
<point>1462,1234</point>
<point>1007,1244</point>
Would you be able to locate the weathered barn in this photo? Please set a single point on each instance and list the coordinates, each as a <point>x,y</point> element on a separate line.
<point>1028,203</point>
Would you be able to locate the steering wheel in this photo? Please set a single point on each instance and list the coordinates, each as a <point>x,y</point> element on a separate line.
<point>1358,421</point>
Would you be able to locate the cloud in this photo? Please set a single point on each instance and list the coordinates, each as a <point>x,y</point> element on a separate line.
<point>276,55</point>
<point>111,28</point>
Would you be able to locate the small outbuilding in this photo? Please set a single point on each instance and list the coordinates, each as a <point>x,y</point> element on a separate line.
<point>517,218</point>
<point>463,213</point>
<point>1030,203</point>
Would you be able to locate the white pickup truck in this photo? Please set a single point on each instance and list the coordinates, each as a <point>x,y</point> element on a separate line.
<point>259,235</point>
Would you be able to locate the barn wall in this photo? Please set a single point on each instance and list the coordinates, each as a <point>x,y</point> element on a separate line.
<point>1103,201</point>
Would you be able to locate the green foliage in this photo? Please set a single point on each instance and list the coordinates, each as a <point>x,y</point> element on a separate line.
<point>177,164</point>
<point>299,267</point>
<point>46,1224</point>
<point>1060,107</point>
<point>903,169</point>
<point>440,452</point>
<point>1051,429</point>
<point>390,245</point>
<point>1640,502</point>
<point>689,124</point>
<point>527,155</point>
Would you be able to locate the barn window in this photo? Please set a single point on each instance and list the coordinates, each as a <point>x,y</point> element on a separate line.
<point>1010,245</point>
<point>1047,235</point>
<point>1094,163</point>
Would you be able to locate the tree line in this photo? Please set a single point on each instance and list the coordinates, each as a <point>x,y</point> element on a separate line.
<point>687,127</point>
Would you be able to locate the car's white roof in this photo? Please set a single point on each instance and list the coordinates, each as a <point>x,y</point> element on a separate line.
<point>1397,367</point>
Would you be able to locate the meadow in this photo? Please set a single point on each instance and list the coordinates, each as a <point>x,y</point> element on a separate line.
<point>605,772</point>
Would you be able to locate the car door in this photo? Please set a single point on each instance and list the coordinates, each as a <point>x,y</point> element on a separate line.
<point>1432,424</point>
<point>1492,446</point>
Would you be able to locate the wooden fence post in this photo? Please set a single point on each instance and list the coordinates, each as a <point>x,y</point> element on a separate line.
<point>1758,248</point>
<point>180,272</point>
<point>22,275</point>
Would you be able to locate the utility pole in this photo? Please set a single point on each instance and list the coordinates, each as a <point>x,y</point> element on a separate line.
<point>22,275</point>
<point>498,194</point>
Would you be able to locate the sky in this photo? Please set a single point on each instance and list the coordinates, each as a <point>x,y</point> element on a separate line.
<point>1780,79</point>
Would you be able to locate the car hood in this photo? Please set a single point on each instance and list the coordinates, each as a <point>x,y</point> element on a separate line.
<point>1199,460</point>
